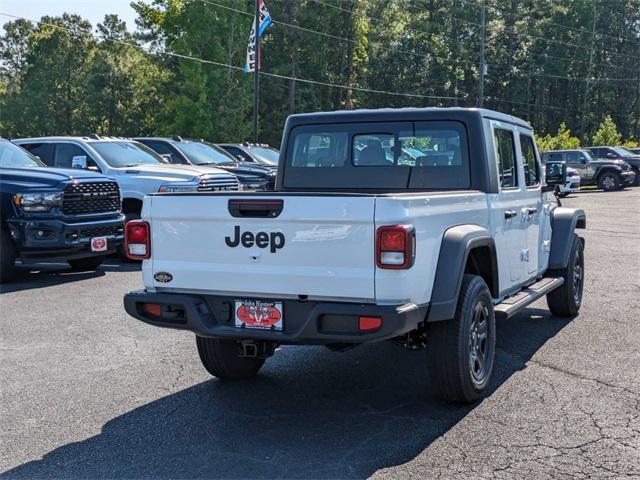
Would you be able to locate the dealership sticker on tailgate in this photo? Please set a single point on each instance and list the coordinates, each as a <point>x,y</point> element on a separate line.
<point>258,314</point>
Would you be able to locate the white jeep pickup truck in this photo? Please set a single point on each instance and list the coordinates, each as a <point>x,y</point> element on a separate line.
<point>420,226</point>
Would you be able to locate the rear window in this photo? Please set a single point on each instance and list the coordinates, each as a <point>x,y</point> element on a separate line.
<point>393,156</point>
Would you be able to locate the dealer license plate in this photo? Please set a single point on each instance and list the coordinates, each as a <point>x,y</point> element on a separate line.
<point>99,244</point>
<point>259,314</point>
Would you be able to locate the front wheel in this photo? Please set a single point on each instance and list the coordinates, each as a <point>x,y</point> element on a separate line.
<point>609,181</point>
<point>565,300</point>
<point>462,350</point>
<point>89,263</point>
<point>221,359</point>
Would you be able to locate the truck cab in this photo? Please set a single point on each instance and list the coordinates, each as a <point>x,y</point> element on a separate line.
<point>55,214</point>
<point>137,169</point>
<point>419,226</point>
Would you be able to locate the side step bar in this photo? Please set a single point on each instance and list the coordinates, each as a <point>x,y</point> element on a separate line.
<point>512,305</point>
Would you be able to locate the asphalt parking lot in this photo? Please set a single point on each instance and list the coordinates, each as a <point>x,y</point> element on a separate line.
<point>86,391</point>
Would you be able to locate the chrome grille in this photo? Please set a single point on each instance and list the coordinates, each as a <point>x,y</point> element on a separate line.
<point>218,183</point>
<point>91,197</point>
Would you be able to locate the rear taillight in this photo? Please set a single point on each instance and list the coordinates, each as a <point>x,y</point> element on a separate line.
<point>395,247</point>
<point>137,240</point>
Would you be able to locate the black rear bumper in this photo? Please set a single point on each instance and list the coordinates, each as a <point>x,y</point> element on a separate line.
<point>305,322</point>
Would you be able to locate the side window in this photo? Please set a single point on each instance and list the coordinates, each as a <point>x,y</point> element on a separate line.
<point>65,152</point>
<point>42,150</point>
<point>529,161</point>
<point>506,158</point>
<point>574,157</point>
<point>239,154</point>
<point>554,156</point>
<point>163,148</point>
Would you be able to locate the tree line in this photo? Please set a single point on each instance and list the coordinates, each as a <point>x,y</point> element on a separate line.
<point>570,65</point>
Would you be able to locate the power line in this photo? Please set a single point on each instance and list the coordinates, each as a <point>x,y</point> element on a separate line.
<point>267,74</point>
<point>566,27</point>
<point>328,35</point>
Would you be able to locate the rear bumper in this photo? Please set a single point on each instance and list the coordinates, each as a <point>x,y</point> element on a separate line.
<point>305,322</point>
<point>50,240</point>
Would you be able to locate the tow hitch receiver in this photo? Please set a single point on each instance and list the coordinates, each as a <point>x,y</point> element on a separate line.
<point>256,349</point>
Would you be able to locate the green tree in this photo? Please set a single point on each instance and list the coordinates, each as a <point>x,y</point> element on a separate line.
<point>607,133</point>
<point>125,86</point>
<point>560,141</point>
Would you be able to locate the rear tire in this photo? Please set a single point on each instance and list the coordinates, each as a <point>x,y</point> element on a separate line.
<point>461,351</point>
<point>221,359</point>
<point>7,257</point>
<point>610,181</point>
<point>565,300</point>
<point>83,264</point>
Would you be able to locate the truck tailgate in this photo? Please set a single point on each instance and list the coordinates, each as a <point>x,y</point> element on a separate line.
<point>319,246</point>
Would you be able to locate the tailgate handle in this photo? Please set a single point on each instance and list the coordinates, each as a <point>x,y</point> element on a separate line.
<point>255,208</point>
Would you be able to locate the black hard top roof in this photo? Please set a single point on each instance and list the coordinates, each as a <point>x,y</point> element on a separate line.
<point>404,114</point>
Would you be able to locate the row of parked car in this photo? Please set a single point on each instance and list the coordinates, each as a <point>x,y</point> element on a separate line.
<point>75,210</point>
<point>608,168</point>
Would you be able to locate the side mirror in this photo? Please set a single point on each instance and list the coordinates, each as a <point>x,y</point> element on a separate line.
<point>167,157</point>
<point>556,173</point>
<point>79,161</point>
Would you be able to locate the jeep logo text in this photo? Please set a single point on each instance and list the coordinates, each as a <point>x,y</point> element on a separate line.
<point>273,240</point>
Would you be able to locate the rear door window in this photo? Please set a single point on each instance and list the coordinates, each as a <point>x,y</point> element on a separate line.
<point>42,150</point>
<point>529,161</point>
<point>506,158</point>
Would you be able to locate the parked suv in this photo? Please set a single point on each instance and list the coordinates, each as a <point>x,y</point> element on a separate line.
<point>356,247</point>
<point>251,175</point>
<point>137,169</point>
<point>619,153</point>
<point>253,152</point>
<point>606,174</point>
<point>55,214</point>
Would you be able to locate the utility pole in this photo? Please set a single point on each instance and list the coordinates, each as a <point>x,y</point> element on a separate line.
<point>256,73</point>
<point>585,98</point>
<point>483,66</point>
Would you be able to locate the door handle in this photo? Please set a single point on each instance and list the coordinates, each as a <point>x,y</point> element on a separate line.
<point>531,211</point>
<point>510,214</point>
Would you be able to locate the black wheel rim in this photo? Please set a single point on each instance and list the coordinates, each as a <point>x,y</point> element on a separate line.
<point>578,277</point>
<point>479,361</point>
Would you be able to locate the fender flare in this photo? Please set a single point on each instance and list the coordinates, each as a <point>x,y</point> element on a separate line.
<point>564,222</point>
<point>456,244</point>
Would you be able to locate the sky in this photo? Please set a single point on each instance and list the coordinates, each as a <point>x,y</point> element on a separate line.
<point>92,10</point>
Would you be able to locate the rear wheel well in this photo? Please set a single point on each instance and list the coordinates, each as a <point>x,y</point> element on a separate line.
<point>481,261</point>
<point>131,205</point>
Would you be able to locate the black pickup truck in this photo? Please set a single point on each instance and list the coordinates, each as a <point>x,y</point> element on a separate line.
<point>51,214</point>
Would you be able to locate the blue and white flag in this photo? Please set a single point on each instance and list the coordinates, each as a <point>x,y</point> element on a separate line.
<point>265,21</point>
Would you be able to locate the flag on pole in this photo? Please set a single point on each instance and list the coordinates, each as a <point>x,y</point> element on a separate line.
<point>265,21</point>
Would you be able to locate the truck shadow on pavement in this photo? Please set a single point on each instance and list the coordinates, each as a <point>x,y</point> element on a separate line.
<point>312,415</point>
<point>47,275</point>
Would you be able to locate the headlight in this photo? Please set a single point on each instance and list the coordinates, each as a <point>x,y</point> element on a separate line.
<point>37,202</point>
<point>178,187</point>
